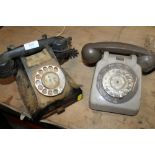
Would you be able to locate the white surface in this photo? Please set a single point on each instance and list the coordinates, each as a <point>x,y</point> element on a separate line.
<point>31,45</point>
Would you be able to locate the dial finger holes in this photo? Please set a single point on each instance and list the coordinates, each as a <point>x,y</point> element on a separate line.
<point>40,72</point>
<point>50,68</point>
<point>56,69</point>
<point>38,76</point>
<point>44,91</point>
<point>55,91</point>
<point>50,92</point>
<point>49,80</point>
<point>40,87</point>
<point>38,82</point>
<point>45,68</point>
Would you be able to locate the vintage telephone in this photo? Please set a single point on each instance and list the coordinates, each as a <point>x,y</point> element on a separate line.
<point>44,86</point>
<point>116,84</point>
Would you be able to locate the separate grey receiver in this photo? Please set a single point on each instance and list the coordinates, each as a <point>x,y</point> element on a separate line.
<point>116,84</point>
<point>92,53</point>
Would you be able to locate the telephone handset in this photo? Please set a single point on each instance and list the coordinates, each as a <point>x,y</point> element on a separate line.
<point>116,84</point>
<point>92,53</point>
<point>43,84</point>
<point>61,47</point>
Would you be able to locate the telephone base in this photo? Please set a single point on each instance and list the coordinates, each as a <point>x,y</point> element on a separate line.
<point>116,85</point>
<point>36,110</point>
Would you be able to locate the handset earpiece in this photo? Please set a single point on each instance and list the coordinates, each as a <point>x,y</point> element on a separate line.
<point>92,53</point>
<point>147,62</point>
<point>7,68</point>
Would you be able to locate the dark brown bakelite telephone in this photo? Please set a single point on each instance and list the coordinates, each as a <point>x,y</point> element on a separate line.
<point>43,84</point>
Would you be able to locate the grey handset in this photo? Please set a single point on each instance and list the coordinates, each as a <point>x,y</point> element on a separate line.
<point>116,85</point>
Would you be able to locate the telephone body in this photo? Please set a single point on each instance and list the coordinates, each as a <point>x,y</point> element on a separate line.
<point>116,85</point>
<point>43,84</point>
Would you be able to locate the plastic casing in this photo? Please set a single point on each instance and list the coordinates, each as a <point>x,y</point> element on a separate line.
<point>97,102</point>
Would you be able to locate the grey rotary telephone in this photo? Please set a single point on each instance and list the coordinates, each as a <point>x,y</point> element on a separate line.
<point>116,84</point>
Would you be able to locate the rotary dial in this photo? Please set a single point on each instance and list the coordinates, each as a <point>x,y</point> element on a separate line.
<point>50,80</point>
<point>118,82</point>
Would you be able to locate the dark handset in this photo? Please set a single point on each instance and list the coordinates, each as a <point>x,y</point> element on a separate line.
<point>61,47</point>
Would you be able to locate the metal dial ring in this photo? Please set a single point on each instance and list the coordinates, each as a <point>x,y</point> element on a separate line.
<point>50,80</point>
<point>117,83</point>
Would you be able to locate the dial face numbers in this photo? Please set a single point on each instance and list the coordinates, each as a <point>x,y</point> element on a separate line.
<point>50,80</point>
<point>117,83</point>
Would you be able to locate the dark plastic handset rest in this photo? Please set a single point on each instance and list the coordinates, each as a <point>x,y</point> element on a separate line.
<point>92,53</point>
